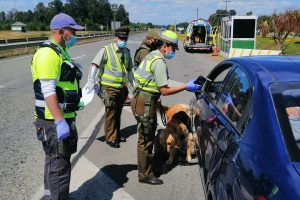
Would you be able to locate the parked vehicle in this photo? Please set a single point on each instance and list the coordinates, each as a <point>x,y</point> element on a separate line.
<point>198,36</point>
<point>249,129</point>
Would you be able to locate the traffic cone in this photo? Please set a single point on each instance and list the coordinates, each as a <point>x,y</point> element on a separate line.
<point>215,53</point>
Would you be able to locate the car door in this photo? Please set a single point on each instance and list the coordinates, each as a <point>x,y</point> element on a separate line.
<point>207,124</point>
<point>220,123</point>
<point>234,106</point>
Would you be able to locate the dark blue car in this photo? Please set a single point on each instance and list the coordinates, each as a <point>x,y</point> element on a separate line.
<point>249,129</point>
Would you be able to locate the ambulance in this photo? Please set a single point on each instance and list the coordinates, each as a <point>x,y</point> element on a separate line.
<point>198,36</point>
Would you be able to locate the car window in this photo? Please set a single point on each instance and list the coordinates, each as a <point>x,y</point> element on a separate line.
<point>286,99</point>
<point>217,77</point>
<point>234,99</point>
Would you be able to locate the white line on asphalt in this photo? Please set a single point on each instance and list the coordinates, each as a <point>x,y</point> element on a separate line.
<point>2,86</point>
<point>79,57</point>
<point>89,182</point>
<point>15,58</point>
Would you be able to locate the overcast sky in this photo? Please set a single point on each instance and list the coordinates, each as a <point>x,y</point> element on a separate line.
<point>163,12</point>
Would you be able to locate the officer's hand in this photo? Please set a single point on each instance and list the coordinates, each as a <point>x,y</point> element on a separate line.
<point>90,85</point>
<point>228,99</point>
<point>62,129</point>
<point>191,86</point>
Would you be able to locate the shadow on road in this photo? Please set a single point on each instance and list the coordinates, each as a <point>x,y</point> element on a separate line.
<point>103,185</point>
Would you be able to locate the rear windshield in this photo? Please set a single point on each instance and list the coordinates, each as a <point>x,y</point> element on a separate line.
<point>287,103</point>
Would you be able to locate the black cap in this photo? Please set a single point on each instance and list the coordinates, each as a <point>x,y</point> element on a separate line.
<point>122,32</point>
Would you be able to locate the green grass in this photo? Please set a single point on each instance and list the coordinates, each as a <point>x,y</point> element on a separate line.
<point>269,44</point>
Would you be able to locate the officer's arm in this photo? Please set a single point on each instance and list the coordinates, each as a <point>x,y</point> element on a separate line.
<point>49,92</point>
<point>166,90</point>
<point>99,61</point>
<point>53,106</point>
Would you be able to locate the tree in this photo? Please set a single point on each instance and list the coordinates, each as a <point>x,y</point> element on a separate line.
<point>122,15</point>
<point>285,24</point>
<point>215,18</point>
<point>2,16</point>
<point>264,28</point>
<point>249,13</point>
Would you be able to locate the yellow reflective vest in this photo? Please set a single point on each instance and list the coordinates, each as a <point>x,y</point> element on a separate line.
<point>144,75</point>
<point>52,62</point>
<point>115,70</point>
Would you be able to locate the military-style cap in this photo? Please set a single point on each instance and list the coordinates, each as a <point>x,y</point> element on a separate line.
<point>123,32</point>
<point>153,32</point>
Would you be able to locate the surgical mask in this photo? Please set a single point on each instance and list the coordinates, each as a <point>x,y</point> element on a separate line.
<point>121,44</point>
<point>170,55</point>
<point>71,42</point>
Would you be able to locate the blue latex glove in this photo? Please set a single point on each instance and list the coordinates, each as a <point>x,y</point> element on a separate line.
<point>192,87</point>
<point>228,99</point>
<point>62,129</point>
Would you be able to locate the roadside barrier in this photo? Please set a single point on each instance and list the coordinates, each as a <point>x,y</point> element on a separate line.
<point>234,52</point>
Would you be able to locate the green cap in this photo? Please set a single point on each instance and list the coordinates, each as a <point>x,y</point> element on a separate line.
<point>122,32</point>
<point>154,33</point>
<point>169,37</point>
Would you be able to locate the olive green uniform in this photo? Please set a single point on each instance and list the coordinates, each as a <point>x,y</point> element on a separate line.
<point>141,53</point>
<point>144,106</point>
<point>113,96</point>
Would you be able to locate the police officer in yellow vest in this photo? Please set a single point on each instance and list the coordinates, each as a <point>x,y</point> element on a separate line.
<point>151,77</point>
<point>57,96</point>
<point>113,66</point>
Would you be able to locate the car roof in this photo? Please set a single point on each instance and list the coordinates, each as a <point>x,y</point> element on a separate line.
<point>280,68</point>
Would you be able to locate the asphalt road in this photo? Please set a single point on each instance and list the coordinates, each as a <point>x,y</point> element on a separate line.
<point>101,172</point>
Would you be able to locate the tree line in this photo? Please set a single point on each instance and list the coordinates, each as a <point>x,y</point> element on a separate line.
<point>93,14</point>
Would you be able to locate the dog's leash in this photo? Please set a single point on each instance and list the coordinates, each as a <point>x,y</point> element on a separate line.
<point>163,115</point>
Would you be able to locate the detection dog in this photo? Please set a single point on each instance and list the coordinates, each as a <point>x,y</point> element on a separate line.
<point>178,132</point>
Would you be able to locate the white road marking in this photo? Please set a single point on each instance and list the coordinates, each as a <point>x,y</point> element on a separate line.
<point>2,86</point>
<point>79,57</point>
<point>89,178</point>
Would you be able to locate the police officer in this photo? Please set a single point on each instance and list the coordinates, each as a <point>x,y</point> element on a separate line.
<point>57,95</point>
<point>113,65</point>
<point>148,45</point>
<point>152,81</point>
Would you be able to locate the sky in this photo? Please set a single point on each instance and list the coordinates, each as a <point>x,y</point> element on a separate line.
<point>164,12</point>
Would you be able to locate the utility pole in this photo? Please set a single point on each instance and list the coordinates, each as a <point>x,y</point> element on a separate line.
<point>226,1</point>
<point>197,13</point>
<point>114,9</point>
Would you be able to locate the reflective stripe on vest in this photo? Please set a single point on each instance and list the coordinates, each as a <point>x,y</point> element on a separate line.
<point>114,73</point>
<point>144,75</point>
<point>42,104</point>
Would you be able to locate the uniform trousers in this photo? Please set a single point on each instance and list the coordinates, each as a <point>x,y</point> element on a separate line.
<point>57,169</point>
<point>114,99</point>
<point>144,107</point>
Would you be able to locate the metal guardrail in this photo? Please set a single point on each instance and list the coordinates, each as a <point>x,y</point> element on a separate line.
<point>28,42</point>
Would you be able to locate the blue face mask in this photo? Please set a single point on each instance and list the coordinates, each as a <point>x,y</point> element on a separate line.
<point>71,42</point>
<point>170,55</point>
<point>121,44</point>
